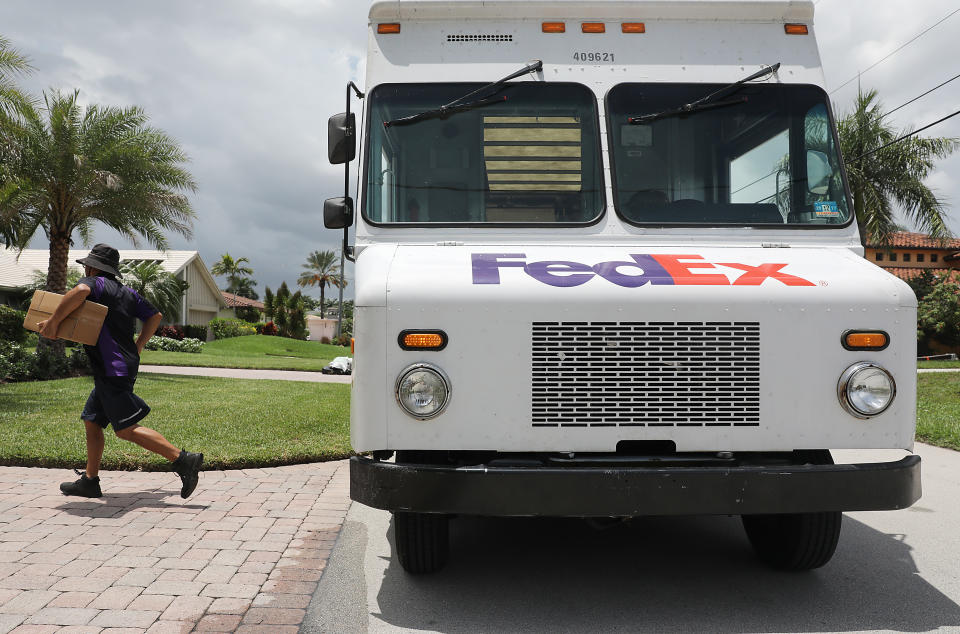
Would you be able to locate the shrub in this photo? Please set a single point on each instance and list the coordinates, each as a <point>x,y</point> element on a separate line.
<point>226,328</point>
<point>343,340</point>
<point>171,332</point>
<point>17,364</point>
<point>195,332</point>
<point>269,329</point>
<point>324,339</point>
<point>47,365</point>
<point>79,361</point>
<point>938,315</point>
<point>11,324</point>
<point>175,345</point>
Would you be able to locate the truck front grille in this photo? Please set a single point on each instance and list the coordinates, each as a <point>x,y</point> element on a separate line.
<point>655,374</point>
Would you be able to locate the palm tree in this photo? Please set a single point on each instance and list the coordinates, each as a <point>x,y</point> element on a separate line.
<point>236,272</point>
<point>67,167</point>
<point>322,269</point>
<point>162,289</point>
<point>12,63</point>
<point>881,176</point>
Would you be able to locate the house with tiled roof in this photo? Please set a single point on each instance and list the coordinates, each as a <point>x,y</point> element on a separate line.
<point>235,301</point>
<point>201,302</point>
<point>910,254</point>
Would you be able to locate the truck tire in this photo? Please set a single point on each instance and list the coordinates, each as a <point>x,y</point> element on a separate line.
<point>422,541</point>
<point>800,541</point>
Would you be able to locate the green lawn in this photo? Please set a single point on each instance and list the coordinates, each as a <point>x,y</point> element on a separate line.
<point>235,423</point>
<point>253,351</point>
<point>938,409</point>
<point>938,364</point>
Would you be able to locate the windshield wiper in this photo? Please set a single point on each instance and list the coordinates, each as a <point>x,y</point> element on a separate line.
<point>707,102</point>
<point>460,104</point>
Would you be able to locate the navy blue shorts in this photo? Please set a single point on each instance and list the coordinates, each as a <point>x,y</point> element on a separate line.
<point>112,402</point>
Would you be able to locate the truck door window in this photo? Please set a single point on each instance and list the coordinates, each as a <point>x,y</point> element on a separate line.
<point>768,158</point>
<point>532,158</point>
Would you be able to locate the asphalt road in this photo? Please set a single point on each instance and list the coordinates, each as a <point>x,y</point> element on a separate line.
<point>894,570</point>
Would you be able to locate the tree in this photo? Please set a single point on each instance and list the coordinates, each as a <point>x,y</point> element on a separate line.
<point>287,312</point>
<point>12,63</point>
<point>162,289</point>
<point>67,167</point>
<point>237,273</point>
<point>938,315</point>
<point>268,304</point>
<point>322,269</point>
<point>881,176</point>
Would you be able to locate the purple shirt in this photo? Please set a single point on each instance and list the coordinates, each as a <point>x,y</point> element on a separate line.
<point>116,352</point>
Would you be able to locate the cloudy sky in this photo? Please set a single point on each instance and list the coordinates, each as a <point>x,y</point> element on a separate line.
<point>246,86</point>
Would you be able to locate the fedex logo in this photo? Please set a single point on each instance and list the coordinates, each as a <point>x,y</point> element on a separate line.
<point>640,269</point>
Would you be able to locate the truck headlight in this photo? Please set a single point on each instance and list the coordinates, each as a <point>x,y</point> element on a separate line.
<point>865,389</point>
<point>423,391</point>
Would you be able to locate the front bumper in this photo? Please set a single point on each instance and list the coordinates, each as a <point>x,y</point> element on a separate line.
<point>634,491</point>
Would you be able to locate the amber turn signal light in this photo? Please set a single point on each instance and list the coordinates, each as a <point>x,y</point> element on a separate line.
<point>633,27</point>
<point>422,340</point>
<point>593,27</point>
<point>865,340</point>
<point>795,29</point>
<point>554,27</point>
<point>390,27</point>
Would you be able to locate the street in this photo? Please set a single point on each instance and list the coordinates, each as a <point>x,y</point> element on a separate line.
<point>892,571</point>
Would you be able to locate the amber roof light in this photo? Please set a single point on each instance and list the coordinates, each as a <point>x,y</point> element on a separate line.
<point>795,29</point>
<point>554,27</point>
<point>390,27</point>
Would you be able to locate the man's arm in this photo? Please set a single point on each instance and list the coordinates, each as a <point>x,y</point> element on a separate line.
<point>149,327</point>
<point>70,302</point>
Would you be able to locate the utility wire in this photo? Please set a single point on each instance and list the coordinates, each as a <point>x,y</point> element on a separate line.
<point>896,50</point>
<point>919,96</point>
<point>904,137</point>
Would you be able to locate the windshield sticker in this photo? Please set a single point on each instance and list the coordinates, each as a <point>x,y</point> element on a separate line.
<point>826,209</point>
<point>640,269</point>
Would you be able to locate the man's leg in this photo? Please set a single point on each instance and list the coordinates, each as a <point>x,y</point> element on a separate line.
<point>95,443</point>
<point>149,439</point>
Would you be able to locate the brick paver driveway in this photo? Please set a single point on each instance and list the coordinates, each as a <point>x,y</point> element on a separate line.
<point>243,554</point>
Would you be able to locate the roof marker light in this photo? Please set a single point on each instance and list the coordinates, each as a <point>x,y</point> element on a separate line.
<point>593,27</point>
<point>795,29</point>
<point>633,27</point>
<point>389,27</point>
<point>554,27</point>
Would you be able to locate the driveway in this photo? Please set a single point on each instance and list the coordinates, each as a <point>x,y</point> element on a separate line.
<point>892,571</point>
<point>243,554</point>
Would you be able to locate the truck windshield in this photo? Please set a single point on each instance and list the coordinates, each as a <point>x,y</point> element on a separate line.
<point>531,157</point>
<point>769,158</point>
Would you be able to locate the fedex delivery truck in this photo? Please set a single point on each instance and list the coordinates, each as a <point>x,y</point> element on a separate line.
<point>607,266</point>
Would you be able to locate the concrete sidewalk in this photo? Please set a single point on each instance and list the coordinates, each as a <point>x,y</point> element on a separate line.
<point>234,373</point>
<point>243,554</point>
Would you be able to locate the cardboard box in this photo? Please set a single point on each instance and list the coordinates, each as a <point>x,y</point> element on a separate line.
<point>82,325</point>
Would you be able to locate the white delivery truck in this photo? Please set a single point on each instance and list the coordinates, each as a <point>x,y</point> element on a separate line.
<point>607,266</point>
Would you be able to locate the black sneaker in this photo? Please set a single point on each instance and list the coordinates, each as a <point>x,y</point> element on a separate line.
<point>84,487</point>
<point>187,466</point>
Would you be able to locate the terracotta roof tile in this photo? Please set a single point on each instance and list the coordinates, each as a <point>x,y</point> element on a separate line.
<point>907,273</point>
<point>237,300</point>
<point>918,241</point>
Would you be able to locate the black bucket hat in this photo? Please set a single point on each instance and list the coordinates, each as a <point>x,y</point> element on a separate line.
<point>103,257</point>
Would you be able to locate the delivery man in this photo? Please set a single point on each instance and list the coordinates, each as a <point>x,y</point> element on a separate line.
<point>115,361</point>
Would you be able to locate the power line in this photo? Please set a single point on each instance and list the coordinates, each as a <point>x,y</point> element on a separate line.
<point>919,96</point>
<point>899,48</point>
<point>904,137</point>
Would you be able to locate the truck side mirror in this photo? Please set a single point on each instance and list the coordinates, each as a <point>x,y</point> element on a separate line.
<point>337,213</point>
<point>818,172</point>
<point>341,138</point>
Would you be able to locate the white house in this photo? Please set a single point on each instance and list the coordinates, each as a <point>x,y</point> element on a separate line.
<point>201,302</point>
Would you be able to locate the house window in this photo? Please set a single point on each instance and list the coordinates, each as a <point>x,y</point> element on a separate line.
<point>893,257</point>
<point>879,257</point>
<point>920,257</point>
<point>934,257</point>
<point>906,257</point>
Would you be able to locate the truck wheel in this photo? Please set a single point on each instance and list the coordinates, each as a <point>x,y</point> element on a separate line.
<point>800,541</point>
<point>422,541</point>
